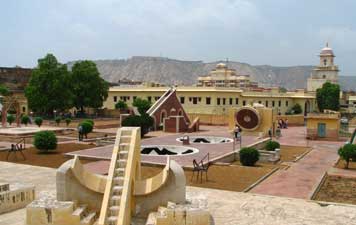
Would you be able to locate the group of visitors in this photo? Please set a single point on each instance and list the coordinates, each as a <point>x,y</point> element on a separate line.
<point>283,124</point>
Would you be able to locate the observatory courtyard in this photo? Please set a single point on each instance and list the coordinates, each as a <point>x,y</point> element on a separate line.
<point>225,151</point>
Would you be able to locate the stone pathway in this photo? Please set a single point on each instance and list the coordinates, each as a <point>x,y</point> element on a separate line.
<point>214,150</point>
<point>43,178</point>
<point>303,177</point>
<point>226,207</point>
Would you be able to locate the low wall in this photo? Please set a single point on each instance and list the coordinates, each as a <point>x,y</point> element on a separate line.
<point>209,119</point>
<point>232,156</point>
<point>293,120</point>
<point>330,134</point>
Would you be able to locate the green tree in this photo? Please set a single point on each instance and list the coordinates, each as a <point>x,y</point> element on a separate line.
<point>87,127</point>
<point>58,120</point>
<point>144,121</point>
<point>249,156</point>
<point>328,97</point>
<point>49,88</point>
<point>68,121</point>
<point>347,152</point>
<point>121,105</point>
<point>283,89</point>
<point>10,118</point>
<point>4,90</point>
<point>297,109</point>
<point>142,105</point>
<point>25,119</point>
<point>45,141</point>
<point>272,145</point>
<point>89,89</point>
<point>38,121</point>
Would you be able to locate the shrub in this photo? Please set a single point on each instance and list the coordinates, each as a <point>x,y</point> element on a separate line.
<point>347,152</point>
<point>58,120</point>
<point>38,121</point>
<point>272,145</point>
<point>89,121</point>
<point>297,109</point>
<point>68,121</point>
<point>121,105</point>
<point>45,141</point>
<point>87,127</point>
<point>144,122</point>
<point>249,156</point>
<point>10,118</point>
<point>142,105</point>
<point>25,119</point>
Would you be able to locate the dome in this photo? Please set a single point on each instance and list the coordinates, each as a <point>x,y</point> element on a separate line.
<point>221,65</point>
<point>327,50</point>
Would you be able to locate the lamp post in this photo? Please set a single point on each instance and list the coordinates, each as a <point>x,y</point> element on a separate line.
<point>54,113</point>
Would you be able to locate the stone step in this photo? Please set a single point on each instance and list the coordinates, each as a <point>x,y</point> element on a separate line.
<point>112,220</point>
<point>80,211</point>
<point>117,189</point>
<point>89,219</point>
<point>119,180</point>
<point>115,199</point>
<point>120,172</point>
<point>114,210</point>
<point>121,163</point>
<point>152,218</point>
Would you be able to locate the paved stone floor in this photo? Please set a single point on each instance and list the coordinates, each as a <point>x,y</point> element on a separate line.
<point>43,178</point>
<point>215,150</point>
<point>226,207</point>
<point>303,177</point>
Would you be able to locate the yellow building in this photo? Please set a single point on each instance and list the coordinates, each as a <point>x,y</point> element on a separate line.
<point>323,125</point>
<point>213,103</point>
<point>222,76</point>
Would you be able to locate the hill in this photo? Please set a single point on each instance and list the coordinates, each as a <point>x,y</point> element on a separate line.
<point>172,71</point>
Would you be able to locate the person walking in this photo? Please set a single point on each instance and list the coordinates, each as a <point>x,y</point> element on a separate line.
<point>80,133</point>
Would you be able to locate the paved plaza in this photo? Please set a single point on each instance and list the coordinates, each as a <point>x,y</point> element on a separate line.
<point>215,150</point>
<point>303,177</point>
<point>226,207</point>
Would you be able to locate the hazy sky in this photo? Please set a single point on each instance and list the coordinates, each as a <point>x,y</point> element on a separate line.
<point>275,32</point>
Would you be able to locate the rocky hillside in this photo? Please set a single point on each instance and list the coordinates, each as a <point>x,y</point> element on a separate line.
<point>171,71</point>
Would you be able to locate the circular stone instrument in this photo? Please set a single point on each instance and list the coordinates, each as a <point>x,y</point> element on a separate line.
<point>163,150</point>
<point>207,140</point>
<point>248,118</point>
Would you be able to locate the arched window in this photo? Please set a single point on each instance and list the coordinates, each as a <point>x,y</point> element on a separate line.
<point>325,62</point>
<point>173,112</point>
<point>180,112</point>
<point>163,115</point>
<point>324,76</point>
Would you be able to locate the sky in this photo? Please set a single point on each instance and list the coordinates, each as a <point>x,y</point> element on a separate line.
<point>258,32</point>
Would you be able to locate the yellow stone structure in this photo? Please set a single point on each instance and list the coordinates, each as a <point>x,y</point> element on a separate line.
<point>323,125</point>
<point>84,198</point>
<point>212,104</point>
<point>266,118</point>
<point>222,76</point>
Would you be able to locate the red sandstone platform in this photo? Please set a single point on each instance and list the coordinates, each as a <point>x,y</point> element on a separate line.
<point>303,177</point>
<point>214,150</point>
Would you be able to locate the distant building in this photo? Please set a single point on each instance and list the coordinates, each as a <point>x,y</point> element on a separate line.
<point>326,71</point>
<point>128,82</point>
<point>222,76</point>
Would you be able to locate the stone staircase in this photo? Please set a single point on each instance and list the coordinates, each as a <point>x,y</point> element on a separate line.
<point>109,214</point>
<point>84,216</point>
<point>179,214</point>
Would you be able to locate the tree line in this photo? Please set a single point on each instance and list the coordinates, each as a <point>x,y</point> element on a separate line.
<point>52,87</point>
